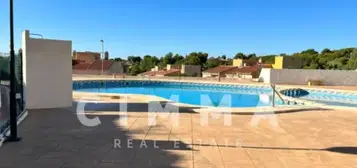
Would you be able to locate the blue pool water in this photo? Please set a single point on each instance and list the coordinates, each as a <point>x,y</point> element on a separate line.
<point>187,93</point>
<point>332,98</point>
<point>328,97</point>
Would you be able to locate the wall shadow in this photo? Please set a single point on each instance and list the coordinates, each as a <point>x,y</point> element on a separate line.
<point>132,107</point>
<point>56,138</point>
<point>339,149</point>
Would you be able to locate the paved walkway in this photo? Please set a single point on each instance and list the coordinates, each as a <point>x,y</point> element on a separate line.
<point>56,139</point>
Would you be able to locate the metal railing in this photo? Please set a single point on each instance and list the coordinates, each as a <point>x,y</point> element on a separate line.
<point>275,92</point>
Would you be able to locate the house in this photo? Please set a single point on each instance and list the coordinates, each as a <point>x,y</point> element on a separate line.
<point>108,67</point>
<point>247,72</point>
<point>191,70</point>
<point>243,72</point>
<point>99,67</point>
<point>287,62</point>
<point>80,68</point>
<point>171,72</point>
<point>245,62</point>
<point>148,73</point>
<point>241,69</point>
<point>174,70</point>
<point>218,71</point>
<point>86,57</point>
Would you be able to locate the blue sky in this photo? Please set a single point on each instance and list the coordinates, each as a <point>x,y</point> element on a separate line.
<point>138,27</point>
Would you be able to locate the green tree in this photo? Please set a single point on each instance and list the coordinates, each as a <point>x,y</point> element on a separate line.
<point>239,56</point>
<point>168,59</point>
<point>196,58</point>
<point>212,62</point>
<point>310,52</point>
<point>325,51</point>
<point>178,59</point>
<point>253,55</point>
<point>118,59</point>
<point>283,54</point>
<point>134,59</point>
<point>135,69</point>
<point>192,60</point>
<point>352,62</point>
<point>148,62</point>
<point>268,59</point>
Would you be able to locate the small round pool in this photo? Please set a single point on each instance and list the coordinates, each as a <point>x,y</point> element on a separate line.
<point>201,94</point>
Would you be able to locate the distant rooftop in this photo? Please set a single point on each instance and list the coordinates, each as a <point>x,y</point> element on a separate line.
<point>219,69</point>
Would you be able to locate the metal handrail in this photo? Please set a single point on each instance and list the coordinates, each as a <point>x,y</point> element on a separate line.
<point>276,92</point>
<point>34,34</point>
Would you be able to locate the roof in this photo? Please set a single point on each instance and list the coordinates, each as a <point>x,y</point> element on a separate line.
<point>171,71</point>
<point>97,65</point>
<point>219,69</point>
<point>81,66</point>
<point>246,69</point>
<point>148,73</point>
<point>87,52</point>
<point>249,69</point>
<point>265,65</point>
<point>161,72</point>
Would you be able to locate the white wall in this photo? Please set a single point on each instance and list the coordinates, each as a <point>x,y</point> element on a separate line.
<point>301,76</point>
<point>206,75</point>
<point>47,66</point>
<point>265,75</point>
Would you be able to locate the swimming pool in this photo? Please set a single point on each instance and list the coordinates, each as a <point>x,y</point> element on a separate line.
<point>201,94</point>
<point>328,97</point>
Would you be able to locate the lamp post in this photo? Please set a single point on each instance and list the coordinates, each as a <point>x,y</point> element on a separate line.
<point>13,111</point>
<point>102,41</point>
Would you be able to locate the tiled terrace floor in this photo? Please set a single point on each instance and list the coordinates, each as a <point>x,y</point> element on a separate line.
<point>55,138</point>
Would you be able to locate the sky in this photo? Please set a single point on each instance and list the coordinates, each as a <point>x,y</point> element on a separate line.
<point>156,27</point>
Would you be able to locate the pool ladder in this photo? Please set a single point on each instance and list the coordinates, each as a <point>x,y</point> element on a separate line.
<point>273,86</point>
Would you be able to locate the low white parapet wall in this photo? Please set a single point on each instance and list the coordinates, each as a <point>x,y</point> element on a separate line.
<point>301,76</point>
<point>47,70</point>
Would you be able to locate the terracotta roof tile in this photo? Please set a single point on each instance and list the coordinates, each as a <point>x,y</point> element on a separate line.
<point>81,66</point>
<point>266,65</point>
<point>219,69</point>
<point>247,69</point>
<point>171,71</point>
<point>97,65</point>
<point>148,73</point>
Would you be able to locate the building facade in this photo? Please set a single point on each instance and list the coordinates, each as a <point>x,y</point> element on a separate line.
<point>287,62</point>
<point>87,57</point>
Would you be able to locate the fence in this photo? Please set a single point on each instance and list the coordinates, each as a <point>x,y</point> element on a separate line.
<point>5,88</point>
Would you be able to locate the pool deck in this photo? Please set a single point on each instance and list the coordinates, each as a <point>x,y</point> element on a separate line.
<point>287,138</point>
<point>55,138</point>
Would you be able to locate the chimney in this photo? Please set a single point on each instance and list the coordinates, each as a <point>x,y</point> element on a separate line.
<point>106,55</point>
